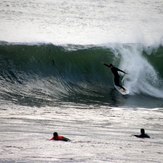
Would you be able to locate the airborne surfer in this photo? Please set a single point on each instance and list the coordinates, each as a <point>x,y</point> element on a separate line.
<point>116,75</point>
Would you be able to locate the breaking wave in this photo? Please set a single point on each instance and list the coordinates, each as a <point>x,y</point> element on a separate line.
<point>46,73</point>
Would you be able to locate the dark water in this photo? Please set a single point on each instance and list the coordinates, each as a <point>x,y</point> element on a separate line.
<point>45,74</point>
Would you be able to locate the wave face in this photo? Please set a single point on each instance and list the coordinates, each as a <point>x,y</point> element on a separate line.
<point>43,74</point>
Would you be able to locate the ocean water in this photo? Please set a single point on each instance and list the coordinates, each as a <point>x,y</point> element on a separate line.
<point>52,78</point>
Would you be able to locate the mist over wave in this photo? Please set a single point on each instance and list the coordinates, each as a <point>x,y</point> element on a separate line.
<point>82,22</point>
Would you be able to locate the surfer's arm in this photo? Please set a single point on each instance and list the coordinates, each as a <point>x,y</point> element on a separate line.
<point>121,71</point>
<point>106,65</point>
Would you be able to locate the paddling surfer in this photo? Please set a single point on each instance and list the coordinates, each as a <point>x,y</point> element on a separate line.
<point>116,75</point>
<point>57,137</point>
<point>142,134</point>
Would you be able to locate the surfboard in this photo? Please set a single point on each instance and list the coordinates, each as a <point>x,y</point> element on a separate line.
<point>120,90</point>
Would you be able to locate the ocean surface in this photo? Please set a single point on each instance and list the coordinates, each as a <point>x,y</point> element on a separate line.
<point>51,72</point>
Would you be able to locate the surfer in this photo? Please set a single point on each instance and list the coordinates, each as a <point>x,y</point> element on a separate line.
<point>116,75</point>
<point>142,134</point>
<point>57,137</point>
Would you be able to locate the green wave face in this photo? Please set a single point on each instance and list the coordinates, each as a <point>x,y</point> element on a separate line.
<point>46,73</point>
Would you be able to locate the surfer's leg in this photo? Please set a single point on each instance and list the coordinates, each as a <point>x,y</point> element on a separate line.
<point>117,83</point>
<point>122,87</point>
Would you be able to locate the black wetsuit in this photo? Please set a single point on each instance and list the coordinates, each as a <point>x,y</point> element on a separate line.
<point>142,136</point>
<point>116,75</point>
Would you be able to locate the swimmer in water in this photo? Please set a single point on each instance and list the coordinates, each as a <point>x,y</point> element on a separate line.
<point>142,134</point>
<point>57,137</point>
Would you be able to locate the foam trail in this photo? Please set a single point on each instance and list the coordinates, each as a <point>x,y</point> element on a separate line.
<point>142,77</point>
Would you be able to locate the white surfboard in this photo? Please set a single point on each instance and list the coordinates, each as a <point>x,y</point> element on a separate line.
<point>120,90</point>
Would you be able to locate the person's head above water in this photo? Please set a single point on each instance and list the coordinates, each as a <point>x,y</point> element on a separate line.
<point>55,134</point>
<point>142,131</point>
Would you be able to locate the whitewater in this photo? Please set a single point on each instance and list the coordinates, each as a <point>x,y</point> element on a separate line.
<point>52,79</point>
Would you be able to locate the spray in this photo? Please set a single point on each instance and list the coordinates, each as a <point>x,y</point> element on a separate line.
<point>141,76</point>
